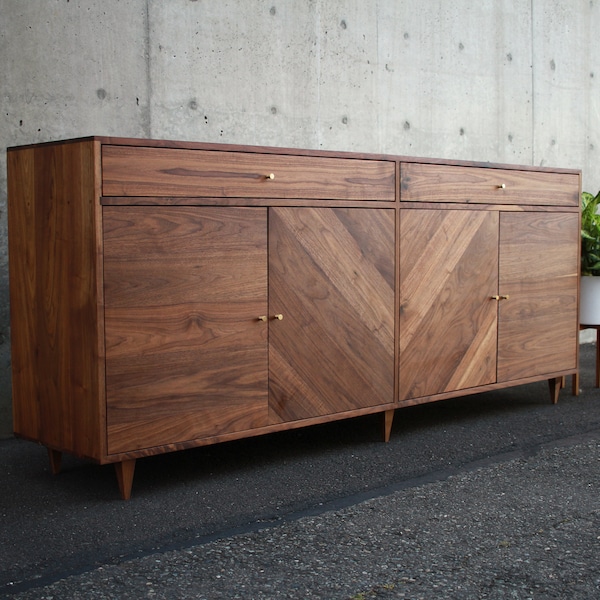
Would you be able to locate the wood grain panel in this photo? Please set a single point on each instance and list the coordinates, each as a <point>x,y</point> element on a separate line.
<point>539,272</point>
<point>162,236</point>
<point>53,214</point>
<point>22,206</point>
<point>334,349</point>
<point>477,185</point>
<point>186,356</point>
<point>448,273</point>
<point>131,171</point>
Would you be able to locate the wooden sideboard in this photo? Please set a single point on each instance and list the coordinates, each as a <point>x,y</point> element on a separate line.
<point>167,295</point>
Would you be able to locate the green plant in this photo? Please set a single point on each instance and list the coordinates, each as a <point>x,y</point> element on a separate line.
<point>590,234</point>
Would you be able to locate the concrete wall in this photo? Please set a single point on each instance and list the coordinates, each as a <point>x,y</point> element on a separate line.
<point>499,80</point>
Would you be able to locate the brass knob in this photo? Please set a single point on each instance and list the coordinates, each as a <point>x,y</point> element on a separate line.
<point>502,186</point>
<point>495,297</point>
<point>505,297</point>
<point>278,317</point>
<point>262,318</point>
<point>270,176</point>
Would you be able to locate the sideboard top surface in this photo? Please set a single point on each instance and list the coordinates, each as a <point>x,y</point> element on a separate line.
<point>189,145</point>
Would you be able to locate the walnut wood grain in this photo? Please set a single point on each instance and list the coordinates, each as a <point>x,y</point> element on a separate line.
<point>448,274</point>
<point>476,185</point>
<point>135,315</point>
<point>129,171</point>
<point>539,272</point>
<point>186,355</point>
<point>56,316</point>
<point>331,276</point>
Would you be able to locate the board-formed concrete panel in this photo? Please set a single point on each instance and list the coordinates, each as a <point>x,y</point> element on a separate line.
<point>562,40</point>
<point>76,68</point>
<point>456,79</point>
<point>235,71</point>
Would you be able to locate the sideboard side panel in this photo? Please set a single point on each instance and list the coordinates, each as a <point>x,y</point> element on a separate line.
<point>54,282</point>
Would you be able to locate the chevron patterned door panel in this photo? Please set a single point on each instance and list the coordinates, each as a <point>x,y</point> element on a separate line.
<point>331,280</point>
<point>448,319</point>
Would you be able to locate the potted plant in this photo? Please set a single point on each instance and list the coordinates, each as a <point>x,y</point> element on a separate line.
<point>589,309</point>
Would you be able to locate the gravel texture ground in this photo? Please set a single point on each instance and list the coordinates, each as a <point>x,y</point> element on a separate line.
<point>525,528</point>
<point>488,496</point>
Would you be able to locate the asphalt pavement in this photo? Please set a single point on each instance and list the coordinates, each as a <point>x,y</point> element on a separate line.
<point>494,495</point>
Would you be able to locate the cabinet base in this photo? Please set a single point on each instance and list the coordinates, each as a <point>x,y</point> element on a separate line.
<point>125,468</point>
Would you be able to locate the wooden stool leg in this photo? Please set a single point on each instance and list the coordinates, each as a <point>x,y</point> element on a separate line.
<point>124,471</point>
<point>55,457</point>
<point>575,384</point>
<point>554,385</point>
<point>388,419</point>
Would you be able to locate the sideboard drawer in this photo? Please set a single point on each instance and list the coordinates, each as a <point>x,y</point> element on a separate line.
<point>145,171</point>
<point>481,185</point>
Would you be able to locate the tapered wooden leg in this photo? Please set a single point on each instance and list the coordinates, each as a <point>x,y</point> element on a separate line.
<point>554,385</point>
<point>124,471</point>
<point>575,384</point>
<point>388,419</point>
<point>55,457</point>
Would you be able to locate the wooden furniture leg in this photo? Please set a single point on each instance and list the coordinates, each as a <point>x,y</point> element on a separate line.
<point>388,419</point>
<point>575,384</point>
<point>554,385</point>
<point>124,471</point>
<point>55,457</point>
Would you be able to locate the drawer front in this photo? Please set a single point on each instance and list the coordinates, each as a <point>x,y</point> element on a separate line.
<point>480,185</point>
<point>134,171</point>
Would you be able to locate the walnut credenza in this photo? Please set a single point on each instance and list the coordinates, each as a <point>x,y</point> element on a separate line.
<point>166,295</point>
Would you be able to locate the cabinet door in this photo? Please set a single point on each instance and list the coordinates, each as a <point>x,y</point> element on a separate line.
<point>448,321</point>
<point>186,355</point>
<point>538,329</point>
<point>331,277</point>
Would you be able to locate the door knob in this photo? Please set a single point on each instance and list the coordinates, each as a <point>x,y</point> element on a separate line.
<point>278,317</point>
